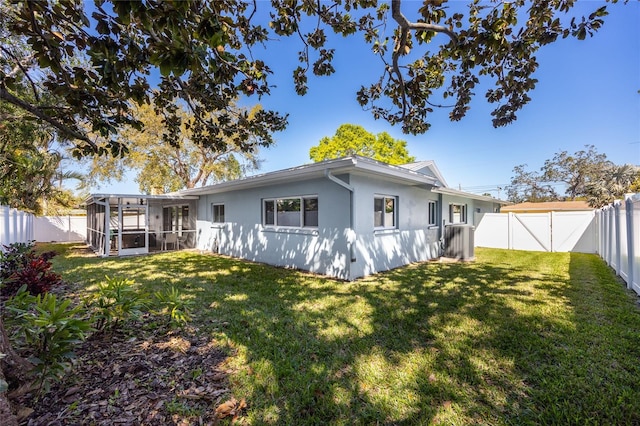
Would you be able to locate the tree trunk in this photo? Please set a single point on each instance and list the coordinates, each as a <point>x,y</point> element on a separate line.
<point>16,368</point>
<point>7,418</point>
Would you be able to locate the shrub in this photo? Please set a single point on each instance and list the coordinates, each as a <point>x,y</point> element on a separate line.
<point>21,265</point>
<point>179,309</point>
<point>116,301</point>
<point>46,329</point>
<point>14,257</point>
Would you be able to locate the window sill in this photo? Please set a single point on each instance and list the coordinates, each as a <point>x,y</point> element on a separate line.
<point>287,230</point>
<point>218,225</point>
<point>388,231</point>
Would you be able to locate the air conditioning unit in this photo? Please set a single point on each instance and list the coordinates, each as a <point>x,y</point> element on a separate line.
<point>458,241</point>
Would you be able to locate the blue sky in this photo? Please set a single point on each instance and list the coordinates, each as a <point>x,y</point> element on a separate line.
<point>587,94</point>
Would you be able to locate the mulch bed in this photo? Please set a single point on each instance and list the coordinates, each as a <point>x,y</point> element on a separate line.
<point>162,378</point>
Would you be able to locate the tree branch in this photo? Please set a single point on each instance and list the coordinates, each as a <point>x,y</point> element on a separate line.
<point>405,26</point>
<point>21,67</point>
<point>404,23</point>
<point>5,95</point>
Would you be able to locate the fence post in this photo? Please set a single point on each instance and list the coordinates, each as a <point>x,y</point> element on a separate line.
<point>630,239</point>
<point>603,233</point>
<point>14,237</point>
<point>32,226</point>
<point>551,214</point>
<point>6,235</point>
<point>599,232</point>
<point>618,233</point>
<point>612,229</point>
<point>22,226</point>
<point>510,230</point>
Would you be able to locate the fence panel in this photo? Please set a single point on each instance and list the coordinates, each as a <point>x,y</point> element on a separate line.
<point>16,226</point>
<point>492,230</point>
<point>531,231</point>
<point>60,228</point>
<point>620,239</point>
<point>574,232</point>
<point>633,214</point>
<point>623,247</point>
<point>556,231</point>
<point>613,237</point>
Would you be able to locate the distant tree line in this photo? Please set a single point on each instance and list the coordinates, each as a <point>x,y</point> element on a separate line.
<point>586,175</point>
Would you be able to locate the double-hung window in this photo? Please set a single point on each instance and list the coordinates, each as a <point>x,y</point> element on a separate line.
<point>218,213</point>
<point>432,212</point>
<point>296,212</point>
<point>458,213</point>
<point>384,212</point>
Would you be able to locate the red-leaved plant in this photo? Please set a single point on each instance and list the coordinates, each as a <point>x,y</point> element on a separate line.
<point>21,265</point>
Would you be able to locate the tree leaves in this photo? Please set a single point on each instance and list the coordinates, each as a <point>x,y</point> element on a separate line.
<point>352,139</point>
<point>203,54</point>
<point>184,41</point>
<point>586,173</point>
<point>162,168</point>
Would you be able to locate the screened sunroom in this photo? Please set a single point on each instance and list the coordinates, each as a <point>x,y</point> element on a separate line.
<point>120,225</point>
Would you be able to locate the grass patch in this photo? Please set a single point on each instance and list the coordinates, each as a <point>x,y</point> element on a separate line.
<point>513,338</point>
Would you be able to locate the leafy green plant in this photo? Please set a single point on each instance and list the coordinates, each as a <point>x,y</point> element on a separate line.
<point>182,408</point>
<point>49,328</point>
<point>177,306</point>
<point>13,256</point>
<point>195,374</point>
<point>116,301</point>
<point>15,309</point>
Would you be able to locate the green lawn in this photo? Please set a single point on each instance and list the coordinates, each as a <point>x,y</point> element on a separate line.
<point>513,338</point>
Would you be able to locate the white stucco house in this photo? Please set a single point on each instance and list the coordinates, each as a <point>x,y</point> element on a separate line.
<point>346,218</point>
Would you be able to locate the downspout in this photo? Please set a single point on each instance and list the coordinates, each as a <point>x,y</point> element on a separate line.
<point>440,218</point>
<point>352,250</point>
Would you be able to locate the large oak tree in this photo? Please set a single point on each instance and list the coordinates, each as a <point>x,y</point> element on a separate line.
<point>30,163</point>
<point>585,174</point>
<point>160,168</point>
<point>99,60</point>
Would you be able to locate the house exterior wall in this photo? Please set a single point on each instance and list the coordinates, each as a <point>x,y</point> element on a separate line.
<point>475,208</point>
<point>345,244</point>
<point>412,240</point>
<point>322,250</point>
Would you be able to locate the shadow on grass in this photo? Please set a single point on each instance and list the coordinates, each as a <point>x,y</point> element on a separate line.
<point>514,338</point>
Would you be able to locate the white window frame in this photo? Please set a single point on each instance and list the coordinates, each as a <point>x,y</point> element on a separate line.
<point>432,213</point>
<point>213,213</point>
<point>301,199</point>
<point>463,212</point>
<point>394,216</point>
<point>264,211</point>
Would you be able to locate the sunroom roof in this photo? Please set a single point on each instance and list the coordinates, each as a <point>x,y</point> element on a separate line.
<point>115,199</point>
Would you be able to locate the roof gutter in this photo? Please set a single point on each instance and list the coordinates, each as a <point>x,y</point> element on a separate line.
<point>450,191</point>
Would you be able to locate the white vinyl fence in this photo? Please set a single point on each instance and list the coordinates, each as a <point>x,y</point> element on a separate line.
<point>16,226</point>
<point>60,228</point>
<point>619,244</point>
<point>553,231</point>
